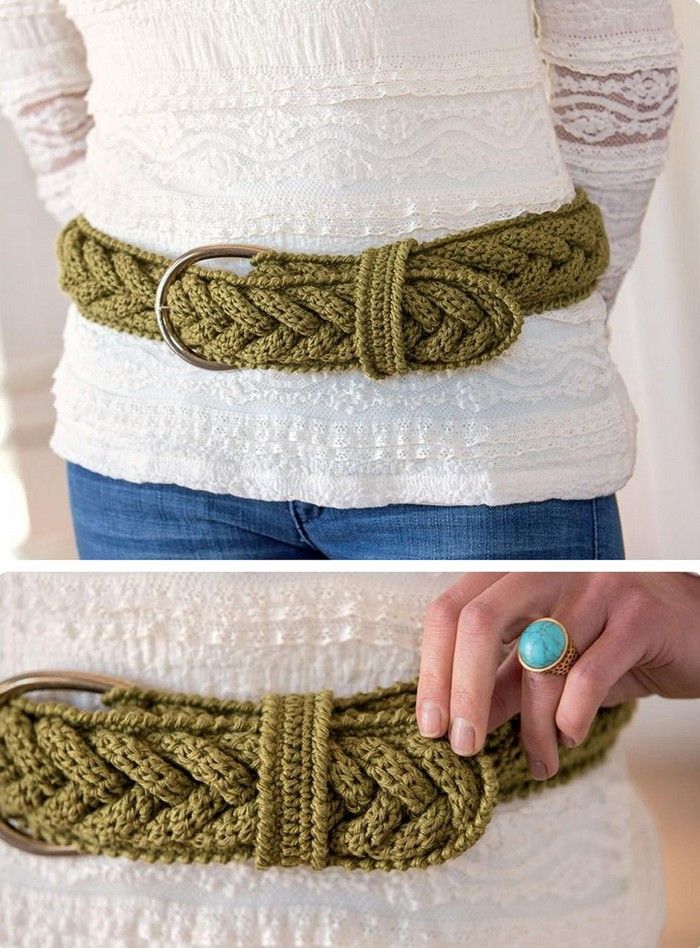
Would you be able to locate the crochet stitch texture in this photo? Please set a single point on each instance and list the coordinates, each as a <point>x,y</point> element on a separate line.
<point>293,780</point>
<point>446,303</point>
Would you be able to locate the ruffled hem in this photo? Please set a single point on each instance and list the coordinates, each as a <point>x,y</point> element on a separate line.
<point>549,419</point>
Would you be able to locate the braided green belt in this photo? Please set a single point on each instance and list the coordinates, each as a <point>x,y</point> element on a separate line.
<point>445,303</point>
<point>295,780</point>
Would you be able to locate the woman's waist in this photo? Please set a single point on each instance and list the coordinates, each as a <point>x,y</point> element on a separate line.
<point>167,200</point>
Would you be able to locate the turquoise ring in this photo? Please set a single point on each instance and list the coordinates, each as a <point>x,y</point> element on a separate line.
<point>545,646</point>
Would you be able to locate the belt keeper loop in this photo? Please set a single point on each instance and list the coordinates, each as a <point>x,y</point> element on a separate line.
<point>293,805</point>
<point>379,329</point>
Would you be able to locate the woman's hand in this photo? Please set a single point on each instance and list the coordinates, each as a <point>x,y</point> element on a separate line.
<point>638,634</point>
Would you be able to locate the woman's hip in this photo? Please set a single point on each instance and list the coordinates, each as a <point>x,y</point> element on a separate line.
<point>119,519</point>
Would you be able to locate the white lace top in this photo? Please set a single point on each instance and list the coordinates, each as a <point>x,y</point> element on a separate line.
<point>331,126</point>
<point>576,865</point>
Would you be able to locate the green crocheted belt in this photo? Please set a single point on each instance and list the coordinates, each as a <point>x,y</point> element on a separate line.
<point>410,305</point>
<point>294,780</point>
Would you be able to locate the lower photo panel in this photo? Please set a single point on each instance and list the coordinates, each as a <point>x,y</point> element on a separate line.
<point>348,759</point>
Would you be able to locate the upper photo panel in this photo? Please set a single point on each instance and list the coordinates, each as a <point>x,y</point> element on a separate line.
<point>349,279</point>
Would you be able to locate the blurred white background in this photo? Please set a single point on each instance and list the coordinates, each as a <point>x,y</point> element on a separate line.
<point>663,752</point>
<point>655,330</point>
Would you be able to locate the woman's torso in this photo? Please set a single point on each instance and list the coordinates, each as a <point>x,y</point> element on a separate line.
<point>330,127</point>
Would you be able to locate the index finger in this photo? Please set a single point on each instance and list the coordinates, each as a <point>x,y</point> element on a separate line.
<point>437,653</point>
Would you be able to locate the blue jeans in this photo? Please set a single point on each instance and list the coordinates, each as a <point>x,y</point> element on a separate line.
<point>115,519</point>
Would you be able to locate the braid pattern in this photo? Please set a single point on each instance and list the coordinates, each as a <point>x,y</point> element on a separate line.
<point>446,303</point>
<point>295,780</point>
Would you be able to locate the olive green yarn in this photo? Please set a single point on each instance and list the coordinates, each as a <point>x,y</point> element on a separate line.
<point>295,780</point>
<point>447,303</point>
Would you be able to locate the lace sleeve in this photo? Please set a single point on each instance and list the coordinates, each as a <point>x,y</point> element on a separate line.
<point>613,78</point>
<point>43,81</point>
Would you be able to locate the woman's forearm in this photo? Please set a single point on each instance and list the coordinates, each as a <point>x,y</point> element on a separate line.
<point>43,81</point>
<point>613,80</point>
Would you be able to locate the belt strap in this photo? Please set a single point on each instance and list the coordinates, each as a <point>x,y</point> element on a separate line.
<point>295,780</point>
<point>445,303</point>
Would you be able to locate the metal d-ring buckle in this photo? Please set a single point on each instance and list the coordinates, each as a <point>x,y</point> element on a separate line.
<point>205,252</point>
<point>48,681</point>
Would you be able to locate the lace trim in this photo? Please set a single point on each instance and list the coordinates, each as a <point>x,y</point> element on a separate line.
<point>606,120</point>
<point>344,49</point>
<point>599,37</point>
<point>21,9</point>
<point>43,78</point>
<point>492,436</point>
<point>170,222</point>
<point>552,348</point>
<point>153,92</point>
<point>29,76</point>
<point>338,449</point>
<point>318,154</point>
<point>605,57</point>
<point>613,127</point>
<point>52,133</point>
<point>623,168</point>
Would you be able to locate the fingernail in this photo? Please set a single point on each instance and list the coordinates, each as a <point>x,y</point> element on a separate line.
<point>537,769</point>
<point>462,737</point>
<point>430,721</point>
<point>567,741</point>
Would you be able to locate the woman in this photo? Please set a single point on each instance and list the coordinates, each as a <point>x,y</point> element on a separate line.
<point>575,864</point>
<point>331,130</point>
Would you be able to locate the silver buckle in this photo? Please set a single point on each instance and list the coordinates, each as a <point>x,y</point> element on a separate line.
<point>48,681</point>
<point>206,252</point>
